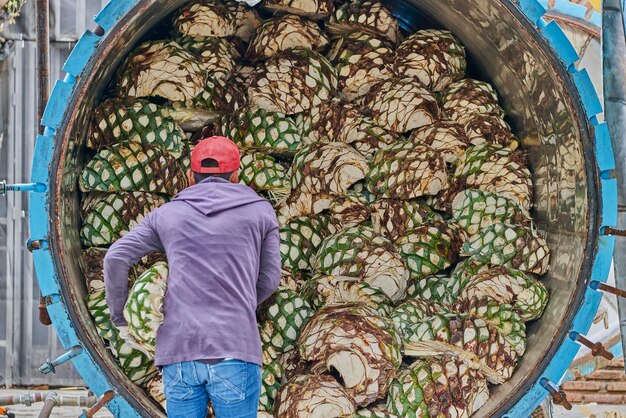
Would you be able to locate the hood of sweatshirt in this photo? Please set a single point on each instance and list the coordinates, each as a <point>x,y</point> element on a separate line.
<point>213,195</point>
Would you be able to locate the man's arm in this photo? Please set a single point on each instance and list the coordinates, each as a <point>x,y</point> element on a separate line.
<point>269,272</point>
<point>126,251</point>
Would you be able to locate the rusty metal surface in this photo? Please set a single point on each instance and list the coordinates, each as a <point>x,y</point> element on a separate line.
<point>42,11</point>
<point>535,91</point>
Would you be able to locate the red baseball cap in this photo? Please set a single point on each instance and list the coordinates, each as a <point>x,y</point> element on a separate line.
<point>218,148</point>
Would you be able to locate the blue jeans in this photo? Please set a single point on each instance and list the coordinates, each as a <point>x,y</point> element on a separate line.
<point>233,386</point>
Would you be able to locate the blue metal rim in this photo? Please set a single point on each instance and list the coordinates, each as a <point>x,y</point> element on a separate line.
<point>87,46</point>
<point>556,369</point>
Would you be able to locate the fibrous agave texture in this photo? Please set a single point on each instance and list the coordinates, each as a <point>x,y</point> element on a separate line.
<point>302,204</point>
<point>161,69</point>
<point>329,168</point>
<point>368,16</point>
<point>401,104</point>
<point>110,216</point>
<point>360,252</point>
<point>475,210</point>
<point>271,376</point>
<point>492,129</point>
<point>392,218</point>
<point>362,60</point>
<point>406,171</point>
<point>360,346</point>
<point>285,32</point>
<point>314,396</point>
<point>413,311</point>
<point>220,94</point>
<point>432,288</point>
<point>135,120</point>
<point>285,313</point>
<point>350,210</point>
<point>504,318</point>
<point>434,57</point>
<point>462,274</point>
<point>337,121</point>
<point>515,246</point>
<point>468,96</point>
<point>206,18</point>
<point>156,390</point>
<point>216,55</point>
<point>431,247</point>
<point>144,308</point>
<point>99,310</point>
<point>314,9</point>
<point>135,364</point>
<point>472,339</point>
<point>133,167</point>
<point>246,18</point>
<point>300,239</point>
<point>374,412</point>
<point>93,266</point>
<point>437,387</point>
<point>492,168</point>
<point>265,175</point>
<point>527,296</point>
<point>444,136</point>
<point>338,290</point>
<point>92,259</point>
<point>260,129</point>
<point>506,286</point>
<point>293,82</point>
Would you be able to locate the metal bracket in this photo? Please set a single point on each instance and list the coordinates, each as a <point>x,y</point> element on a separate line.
<point>102,402</point>
<point>557,394</point>
<point>49,366</point>
<point>596,285</point>
<point>607,230</point>
<point>34,244</point>
<point>25,187</point>
<point>597,349</point>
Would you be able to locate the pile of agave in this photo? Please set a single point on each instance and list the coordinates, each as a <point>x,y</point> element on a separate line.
<point>410,258</point>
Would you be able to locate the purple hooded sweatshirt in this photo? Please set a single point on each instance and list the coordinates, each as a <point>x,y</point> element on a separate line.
<point>223,251</point>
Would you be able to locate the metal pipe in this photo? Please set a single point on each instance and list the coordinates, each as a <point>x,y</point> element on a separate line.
<point>614,74</point>
<point>42,11</point>
<point>50,366</point>
<point>50,402</point>
<point>59,400</point>
<point>596,285</point>
<point>23,187</point>
<point>102,402</point>
<point>23,399</point>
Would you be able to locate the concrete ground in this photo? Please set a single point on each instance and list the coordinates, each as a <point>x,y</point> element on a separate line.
<point>22,411</point>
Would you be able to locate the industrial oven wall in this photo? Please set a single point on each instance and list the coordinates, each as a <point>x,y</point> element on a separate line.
<point>551,105</point>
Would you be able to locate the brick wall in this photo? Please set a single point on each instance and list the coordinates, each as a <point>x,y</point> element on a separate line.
<point>603,386</point>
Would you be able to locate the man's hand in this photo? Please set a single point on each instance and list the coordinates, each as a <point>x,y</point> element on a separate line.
<point>131,342</point>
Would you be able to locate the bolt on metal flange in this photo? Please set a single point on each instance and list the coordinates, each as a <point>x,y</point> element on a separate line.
<point>597,349</point>
<point>558,395</point>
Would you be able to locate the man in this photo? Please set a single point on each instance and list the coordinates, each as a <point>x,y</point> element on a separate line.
<point>222,246</point>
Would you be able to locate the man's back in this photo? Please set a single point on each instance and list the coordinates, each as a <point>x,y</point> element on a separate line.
<point>221,241</point>
<point>223,250</point>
